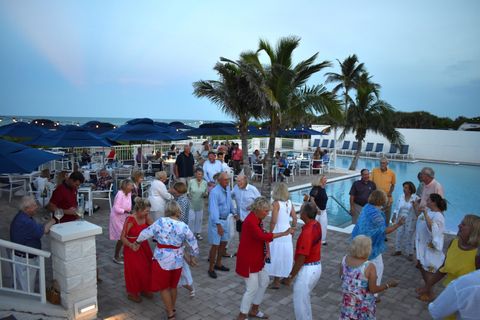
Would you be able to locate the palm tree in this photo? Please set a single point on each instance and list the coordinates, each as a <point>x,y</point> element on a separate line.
<point>233,95</point>
<point>368,112</point>
<point>351,71</point>
<point>283,86</point>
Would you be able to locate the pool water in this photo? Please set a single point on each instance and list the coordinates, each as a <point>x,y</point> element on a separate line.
<point>461,184</point>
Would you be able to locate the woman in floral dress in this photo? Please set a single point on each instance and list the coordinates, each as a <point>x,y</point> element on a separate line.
<point>359,281</point>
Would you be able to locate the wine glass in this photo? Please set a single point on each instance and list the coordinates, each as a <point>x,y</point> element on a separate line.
<point>80,212</point>
<point>58,214</point>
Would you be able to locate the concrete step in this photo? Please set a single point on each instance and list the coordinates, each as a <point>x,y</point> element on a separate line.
<point>29,308</point>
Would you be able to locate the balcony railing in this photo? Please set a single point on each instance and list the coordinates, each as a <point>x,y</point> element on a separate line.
<point>14,256</point>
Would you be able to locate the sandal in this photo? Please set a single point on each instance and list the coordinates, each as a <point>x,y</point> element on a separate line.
<point>259,315</point>
<point>274,286</point>
<point>172,317</point>
<point>425,297</point>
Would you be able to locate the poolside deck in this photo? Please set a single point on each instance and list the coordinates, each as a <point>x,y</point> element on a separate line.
<point>220,298</point>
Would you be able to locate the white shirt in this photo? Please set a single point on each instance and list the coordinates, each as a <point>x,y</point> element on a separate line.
<point>404,208</point>
<point>244,198</point>
<point>158,195</point>
<point>211,169</point>
<point>460,297</point>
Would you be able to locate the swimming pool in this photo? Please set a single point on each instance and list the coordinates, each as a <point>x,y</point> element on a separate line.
<point>461,184</point>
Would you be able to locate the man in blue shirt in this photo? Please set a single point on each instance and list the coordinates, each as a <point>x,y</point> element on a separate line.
<point>26,231</point>
<point>219,207</point>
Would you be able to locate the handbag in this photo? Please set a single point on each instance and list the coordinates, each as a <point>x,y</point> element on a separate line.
<point>53,293</point>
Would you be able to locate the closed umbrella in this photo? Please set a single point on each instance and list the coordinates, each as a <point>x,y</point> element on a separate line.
<point>19,158</point>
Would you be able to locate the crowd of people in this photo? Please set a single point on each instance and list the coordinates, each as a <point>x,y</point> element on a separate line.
<point>268,256</point>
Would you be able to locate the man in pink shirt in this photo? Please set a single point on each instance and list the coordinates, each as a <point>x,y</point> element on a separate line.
<point>237,157</point>
<point>430,185</point>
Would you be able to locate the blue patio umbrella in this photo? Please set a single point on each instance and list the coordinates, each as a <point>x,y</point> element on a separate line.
<point>45,123</point>
<point>70,136</point>
<point>19,158</point>
<point>298,132</point>
<point>21,130</point>
<point>180,125</point>
<point>144,129</point>
<point>98,127</point>
<point>214,129</point>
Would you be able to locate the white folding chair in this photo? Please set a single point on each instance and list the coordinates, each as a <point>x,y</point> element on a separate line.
<point>257,171</point>
<point>8,183</point>
<point>103,194</point>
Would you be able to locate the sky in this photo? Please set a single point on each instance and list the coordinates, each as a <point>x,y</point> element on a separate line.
<point>131,59</point>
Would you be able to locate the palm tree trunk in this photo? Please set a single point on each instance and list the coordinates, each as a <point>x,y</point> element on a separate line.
<point>244,137</point>
<point>353,165</point>
<point>267,180</point>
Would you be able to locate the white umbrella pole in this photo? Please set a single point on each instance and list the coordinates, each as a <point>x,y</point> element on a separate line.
<point>335,146</point>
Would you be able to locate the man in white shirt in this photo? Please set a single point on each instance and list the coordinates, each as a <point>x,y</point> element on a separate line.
<point>430,185</point>
<point>211,167</point>
<point>461,297</point>
<point>244,195</point>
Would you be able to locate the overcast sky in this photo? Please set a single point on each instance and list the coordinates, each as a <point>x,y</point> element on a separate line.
<point>130,59</point>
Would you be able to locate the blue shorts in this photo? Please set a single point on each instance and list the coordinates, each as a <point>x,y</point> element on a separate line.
<point>213,236</point>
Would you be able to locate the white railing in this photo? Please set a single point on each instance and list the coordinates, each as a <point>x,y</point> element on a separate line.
<point>9,251</point>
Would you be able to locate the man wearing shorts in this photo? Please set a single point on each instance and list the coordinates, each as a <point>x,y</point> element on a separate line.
<point>219,207</point>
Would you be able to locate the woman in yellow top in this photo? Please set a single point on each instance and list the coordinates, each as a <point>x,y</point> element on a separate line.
<point>463,255</point>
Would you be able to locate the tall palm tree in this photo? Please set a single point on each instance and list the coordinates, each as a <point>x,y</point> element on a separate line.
<point>283,86</point>
<point>347,79</point>
<point>368,112</point>
<point>233,95</point>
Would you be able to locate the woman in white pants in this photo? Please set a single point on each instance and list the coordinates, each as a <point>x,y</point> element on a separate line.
<point>197,191</point>
<point>251,258</point>
<point>158,195</point>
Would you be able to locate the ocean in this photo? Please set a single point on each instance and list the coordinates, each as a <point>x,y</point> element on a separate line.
<point>4,120</point>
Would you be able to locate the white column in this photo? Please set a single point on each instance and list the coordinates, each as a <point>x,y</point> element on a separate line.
<point>75,266</point>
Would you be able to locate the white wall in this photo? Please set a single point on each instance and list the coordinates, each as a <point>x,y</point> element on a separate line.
<point>430,144</point>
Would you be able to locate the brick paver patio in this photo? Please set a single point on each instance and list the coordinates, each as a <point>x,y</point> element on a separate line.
<point>220,298</point>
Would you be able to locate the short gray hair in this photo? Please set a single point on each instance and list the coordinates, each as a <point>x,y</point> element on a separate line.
<point>172,209</point>
<point>27,202</point>
<point>429,172</point>
<point>260,203</point>
<point>384,159</point>
<point>160,174</point>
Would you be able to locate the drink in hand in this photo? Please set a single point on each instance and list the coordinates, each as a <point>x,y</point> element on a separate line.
<point>80,212</point>
<point>58,214</point>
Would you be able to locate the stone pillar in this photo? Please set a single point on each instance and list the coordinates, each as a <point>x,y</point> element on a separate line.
<point>75,267</point>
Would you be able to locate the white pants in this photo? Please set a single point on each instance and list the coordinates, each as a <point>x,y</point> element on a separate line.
<point>323,220</point>
<point>186,276</point>
<point>22,272</point>
<point>307,279</point>
<point>256,285</point>
<point>195,220</point>
<point>378,262</point>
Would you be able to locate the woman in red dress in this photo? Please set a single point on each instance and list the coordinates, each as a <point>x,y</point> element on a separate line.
<point>137,259</point>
